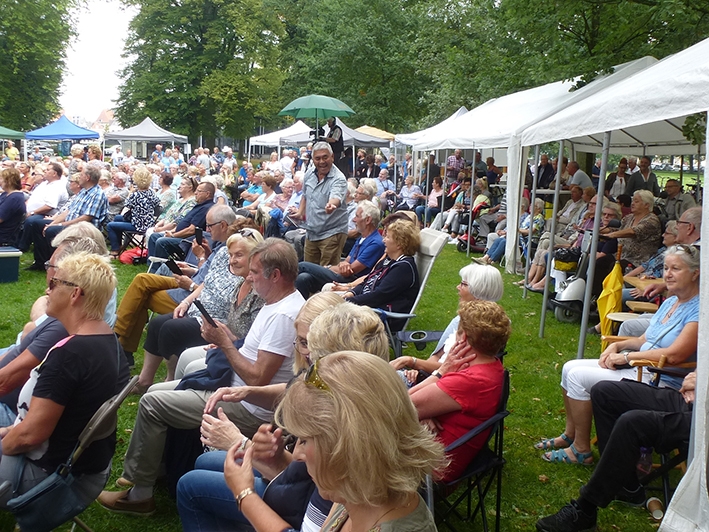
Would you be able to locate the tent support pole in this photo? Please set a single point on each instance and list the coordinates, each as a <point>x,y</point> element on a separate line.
<point>598,216</point>
<point>531,203</point>
<point>550,255</point>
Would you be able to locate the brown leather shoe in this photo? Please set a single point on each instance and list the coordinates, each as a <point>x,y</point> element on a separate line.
<point>117,501</point>
<point>122,482</point>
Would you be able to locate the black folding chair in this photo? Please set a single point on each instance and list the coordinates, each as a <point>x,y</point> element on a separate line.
<point>479,476</point>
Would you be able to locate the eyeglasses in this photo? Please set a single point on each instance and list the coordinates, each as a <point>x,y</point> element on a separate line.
<point>48,265</point>
<point>53,282</point>
<point>683,222</point>
<point>313,378</point>
<point>209,226</point>
<point>464,284</point>
<point>248,233</point>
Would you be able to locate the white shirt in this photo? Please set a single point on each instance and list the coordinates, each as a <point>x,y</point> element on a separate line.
<point>53,194</point>
<point>273,330</point>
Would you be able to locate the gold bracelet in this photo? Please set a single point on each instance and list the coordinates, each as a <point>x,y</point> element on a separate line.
<point>413,363</point>
<point>245,493</point>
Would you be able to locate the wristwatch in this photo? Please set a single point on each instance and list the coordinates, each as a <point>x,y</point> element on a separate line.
<point>436,374</point>
<point>192,287</point>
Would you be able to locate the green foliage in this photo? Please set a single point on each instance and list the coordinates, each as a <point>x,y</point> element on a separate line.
<point>201,68</point>
<point>695,129</point>
<point>359,52</point>
<point>34,35</point>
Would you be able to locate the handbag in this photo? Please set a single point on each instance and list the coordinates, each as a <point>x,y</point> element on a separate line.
<point>49,504</point>
<point>567,255</point>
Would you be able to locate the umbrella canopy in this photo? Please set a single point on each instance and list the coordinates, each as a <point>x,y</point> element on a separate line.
<point>6,133</point>
<point>316,106</point>
<point>60,130</point>
<point>375,132</point>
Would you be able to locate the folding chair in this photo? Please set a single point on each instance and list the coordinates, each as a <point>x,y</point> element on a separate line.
<point>432,243</point>
<point>101,425</point>
<point>135,239</point>
<point>482,471</point>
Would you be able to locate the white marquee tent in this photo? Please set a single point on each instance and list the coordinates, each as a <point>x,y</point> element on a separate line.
<point>647,107</point>
<point>274,138</point>
<point>411,138</point>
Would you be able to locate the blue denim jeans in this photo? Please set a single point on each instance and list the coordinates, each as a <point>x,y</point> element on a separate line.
<point>204,500</point>
<point>115,231</point>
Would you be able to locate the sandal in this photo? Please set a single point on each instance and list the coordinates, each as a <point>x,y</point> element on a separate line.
<point>548,445</point>
<point>560,456</point>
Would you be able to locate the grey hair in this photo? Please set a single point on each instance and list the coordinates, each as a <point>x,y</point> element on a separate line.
<point>369,209</point>
<point>646,197</point>
<point>322,145</point>
<point>223,213</point>
<point>539,204</point>
<point>689,254</point>
<point>693,216</point>
<point>484,281</point>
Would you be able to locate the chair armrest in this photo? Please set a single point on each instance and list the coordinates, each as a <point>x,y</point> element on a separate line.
<point>476,430</point>
<point>393,315</point>
<point>673,371</point>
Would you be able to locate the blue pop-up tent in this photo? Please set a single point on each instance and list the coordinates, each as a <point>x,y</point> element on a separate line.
<point>62,129</point>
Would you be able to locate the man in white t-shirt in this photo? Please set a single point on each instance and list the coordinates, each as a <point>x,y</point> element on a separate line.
<point>287,163</point>
<point>264,358</point>
<point>46,199</point>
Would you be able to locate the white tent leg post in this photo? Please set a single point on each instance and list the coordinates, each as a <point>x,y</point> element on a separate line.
<point>591,273</point>
<point>531,206</point>
<point>550,255</point>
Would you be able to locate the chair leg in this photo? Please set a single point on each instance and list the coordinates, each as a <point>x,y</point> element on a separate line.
<point>83,526</point>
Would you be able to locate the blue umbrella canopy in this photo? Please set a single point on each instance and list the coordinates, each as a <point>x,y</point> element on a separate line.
<point>316,106</point>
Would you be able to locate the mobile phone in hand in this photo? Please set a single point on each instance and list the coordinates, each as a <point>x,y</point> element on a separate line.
<point>174,268</point>
<point>204,313</point>
<point>198,235</point>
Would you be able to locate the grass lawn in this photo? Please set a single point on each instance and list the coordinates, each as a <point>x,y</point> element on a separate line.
<point>531,487</point>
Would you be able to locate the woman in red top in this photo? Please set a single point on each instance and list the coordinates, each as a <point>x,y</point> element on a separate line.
<point>467,389</point>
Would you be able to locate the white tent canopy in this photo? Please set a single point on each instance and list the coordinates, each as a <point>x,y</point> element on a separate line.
<point>494,124</point>
<point>146,131</point>
<point>274,138</point>
<point>411,138</point>
<point>350,136</point>
<point>645,111</point>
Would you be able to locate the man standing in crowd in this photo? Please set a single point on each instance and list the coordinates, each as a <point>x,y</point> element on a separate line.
<point>545,172</point>
<point>454,165</point>
<point>323,208</point>
<point>643,179</point>
<point>334,138</point>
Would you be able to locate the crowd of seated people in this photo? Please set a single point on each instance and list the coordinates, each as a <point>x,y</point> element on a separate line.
<point>227,384</point>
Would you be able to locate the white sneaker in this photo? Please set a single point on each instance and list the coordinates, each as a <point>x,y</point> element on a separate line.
<point>452,240</point>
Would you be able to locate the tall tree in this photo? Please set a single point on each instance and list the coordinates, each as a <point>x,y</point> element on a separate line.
<point>34,35</point>
<point>201,67</point>
<point>359,51</point>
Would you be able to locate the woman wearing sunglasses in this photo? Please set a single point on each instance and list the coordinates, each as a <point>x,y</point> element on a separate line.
<point>673,333</point>
<point>76,377</point>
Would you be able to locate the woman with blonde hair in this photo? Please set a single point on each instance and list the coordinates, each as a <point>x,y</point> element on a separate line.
<point>212,508</point>
<point>141,205</point>
<point>343,412</point>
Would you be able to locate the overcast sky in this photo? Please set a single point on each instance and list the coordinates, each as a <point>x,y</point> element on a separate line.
<point>90,81</point>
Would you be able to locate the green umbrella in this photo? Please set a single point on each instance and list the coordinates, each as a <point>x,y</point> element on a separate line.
<point>316,106</point>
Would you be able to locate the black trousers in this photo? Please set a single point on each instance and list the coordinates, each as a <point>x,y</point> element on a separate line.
<point>167,336</point>
<point>630,415</point>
